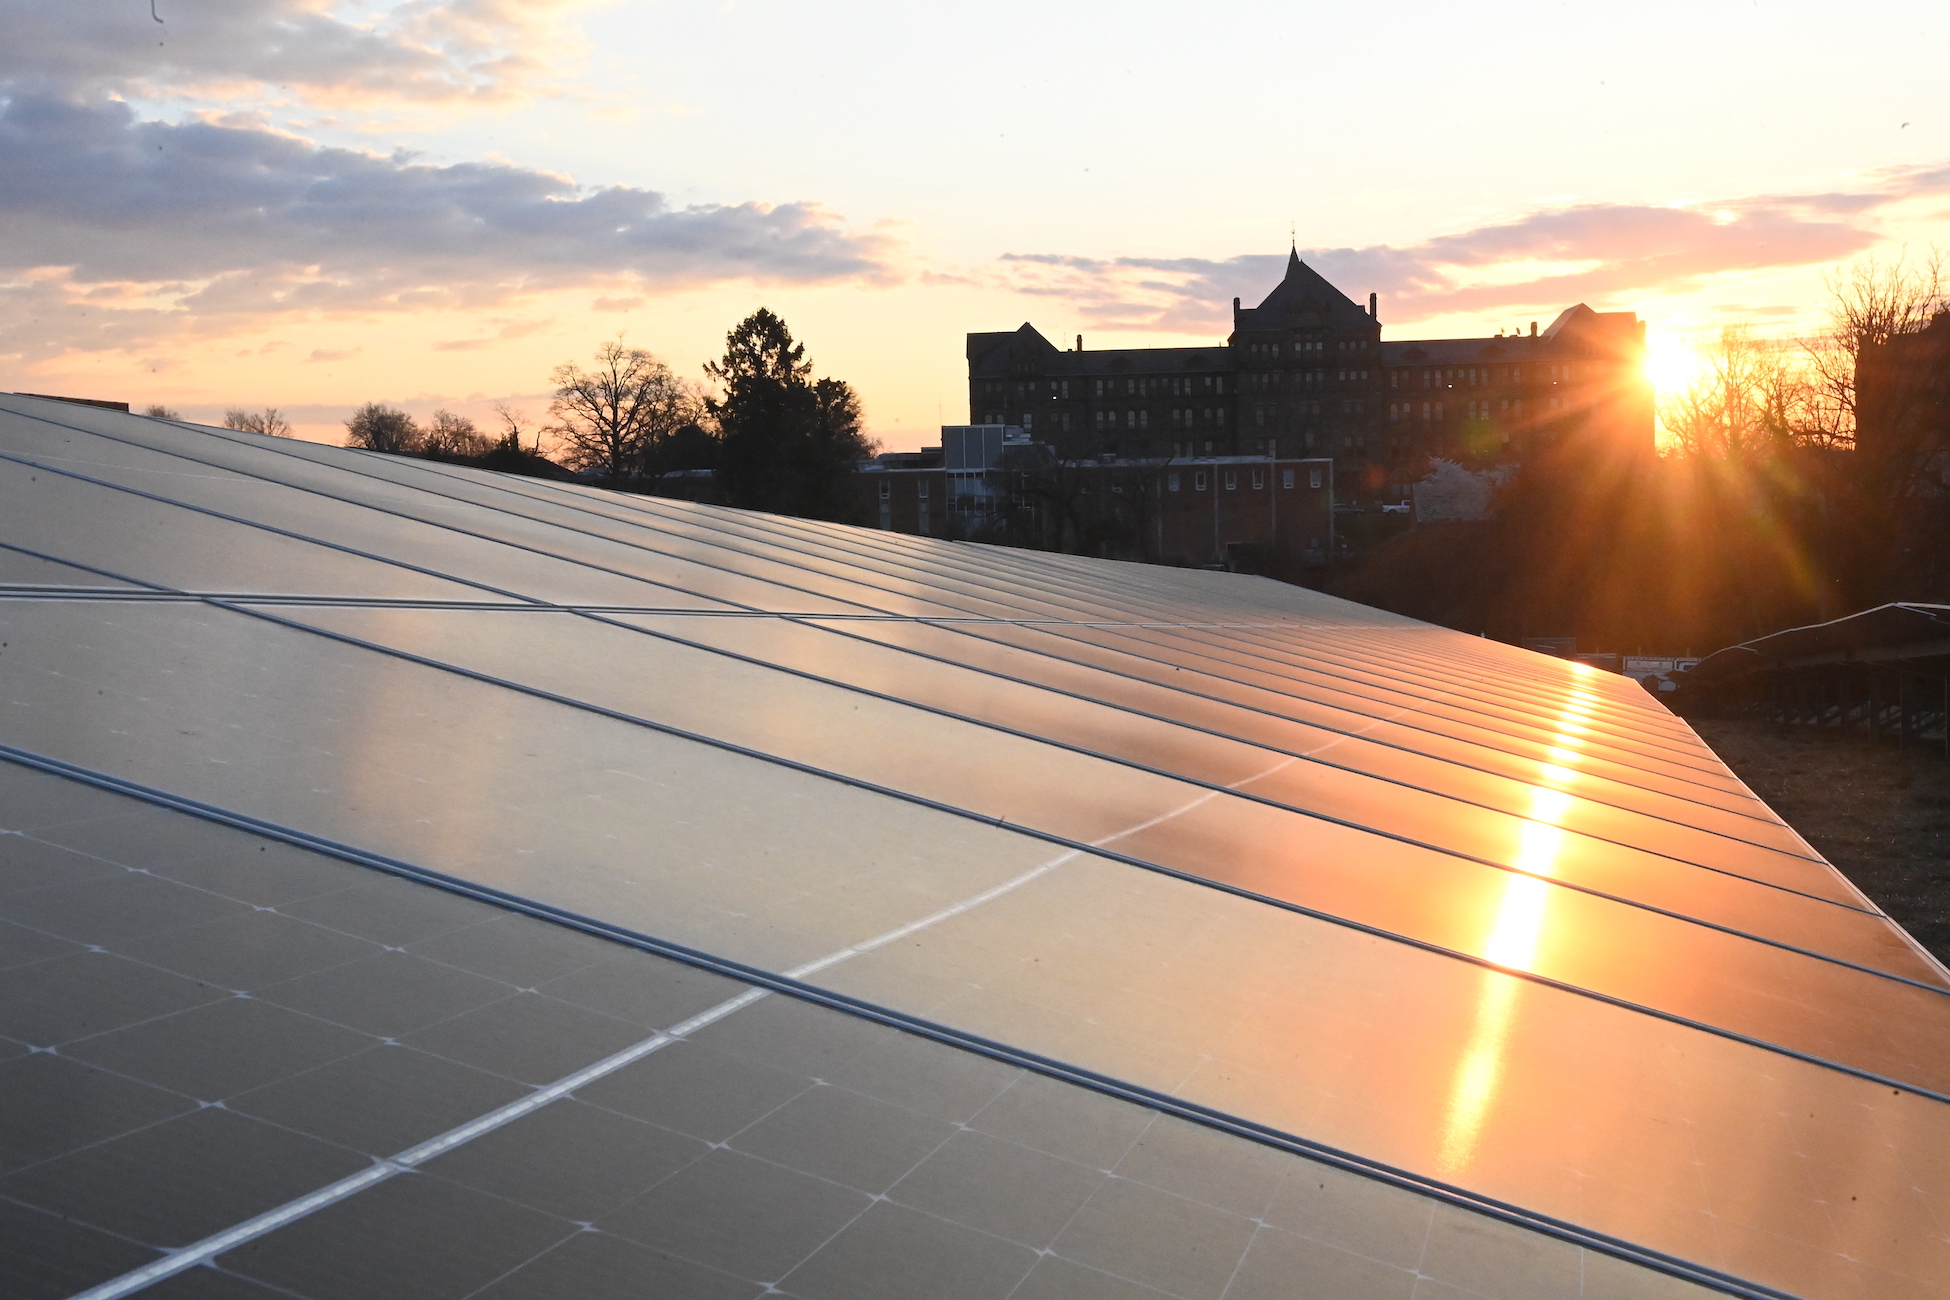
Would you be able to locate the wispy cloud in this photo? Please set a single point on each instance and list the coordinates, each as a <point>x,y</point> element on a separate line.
<point>200,224</point>
<point>1553,257</point>
<point>471,51</point>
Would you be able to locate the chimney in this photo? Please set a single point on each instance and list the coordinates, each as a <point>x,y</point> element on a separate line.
<point>1079,342</point>
<point>1235,306</point>
<point>1374,300</point>
<point>1533,329</point>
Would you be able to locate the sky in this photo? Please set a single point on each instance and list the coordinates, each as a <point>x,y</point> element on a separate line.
<point>237,203</point>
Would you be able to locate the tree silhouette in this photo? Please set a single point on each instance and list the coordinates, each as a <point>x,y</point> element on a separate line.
<point>788,442</point>
<point>383,428</point>
<point>611,417</point>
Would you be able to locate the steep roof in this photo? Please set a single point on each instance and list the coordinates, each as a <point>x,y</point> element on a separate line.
<point>990,355</point>
<point>1303,297</point>
<point>1450,352</point>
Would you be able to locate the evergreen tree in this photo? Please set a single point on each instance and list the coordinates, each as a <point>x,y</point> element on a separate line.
<point>788,442</point>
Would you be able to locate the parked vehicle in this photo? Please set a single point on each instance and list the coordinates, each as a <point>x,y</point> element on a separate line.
<point>1394,508</point>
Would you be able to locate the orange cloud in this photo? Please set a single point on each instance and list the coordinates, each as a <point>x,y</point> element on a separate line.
<point>1557,255</point>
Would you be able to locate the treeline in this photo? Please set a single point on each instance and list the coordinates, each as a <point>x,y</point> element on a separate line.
<point>772,436</point>
<point>1798,485</point>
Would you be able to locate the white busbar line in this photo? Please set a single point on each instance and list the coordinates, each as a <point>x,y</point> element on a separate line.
<point>379,1171</point>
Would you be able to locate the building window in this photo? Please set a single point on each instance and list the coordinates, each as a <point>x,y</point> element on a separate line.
<point>1232,481</point>
<point>1144,419</point>
<point>886,489</point>
<point>1171,482</point>
<point>1027,420</point>
<point>1313,478</point>
<point>1259,480</point>
<point>921,489</point>
<point>1222,417</point>
<point>1198,481</point>
<point>1286,478</point>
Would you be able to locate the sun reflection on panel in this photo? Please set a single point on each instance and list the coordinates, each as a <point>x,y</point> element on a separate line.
<point>1511,943</point>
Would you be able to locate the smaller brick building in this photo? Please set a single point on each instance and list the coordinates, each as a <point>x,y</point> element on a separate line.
<point>994,483</point>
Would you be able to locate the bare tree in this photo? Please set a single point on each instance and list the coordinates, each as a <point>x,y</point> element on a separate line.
<point>515,425</point>
<point>1748,404</point>
<point>608,418</point>
<point>454,435</point>
<point>1870,395</point>
<point>159,412</point>
<point>268,421</point>
<point>382,428</point>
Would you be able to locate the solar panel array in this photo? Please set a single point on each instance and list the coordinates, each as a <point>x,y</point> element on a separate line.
<point>419,881</point>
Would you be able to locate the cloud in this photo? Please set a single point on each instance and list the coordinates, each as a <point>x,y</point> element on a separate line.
<point>481,51</point>
<point>333,354</point>
<point>200,226</point>
<point>1551,257</point>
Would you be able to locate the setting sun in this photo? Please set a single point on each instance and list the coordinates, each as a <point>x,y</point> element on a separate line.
<point>1672,363</point>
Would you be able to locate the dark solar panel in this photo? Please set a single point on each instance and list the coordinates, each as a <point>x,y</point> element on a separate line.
<point>1129,928</point>
<point>237,1025</point>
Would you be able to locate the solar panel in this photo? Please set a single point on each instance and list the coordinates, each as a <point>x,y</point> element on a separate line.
<point>1060,927</point>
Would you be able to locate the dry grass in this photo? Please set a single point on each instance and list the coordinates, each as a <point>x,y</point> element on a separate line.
<point>1881,816</point>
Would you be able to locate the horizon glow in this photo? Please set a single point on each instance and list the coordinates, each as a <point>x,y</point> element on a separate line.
<point>310,205</point>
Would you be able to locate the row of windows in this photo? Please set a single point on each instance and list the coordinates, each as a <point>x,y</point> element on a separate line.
<point>1349,406</point>
<point>1157,386</point>
<point>1187,385</point>
<point>1272,380</point>
<point>1479,376</point>
<point>1306,347</point>
<point>1201,481</point>
<point>1509,408</point>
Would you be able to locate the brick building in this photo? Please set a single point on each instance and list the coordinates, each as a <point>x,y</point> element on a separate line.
<point>1902,407</point>
<point>1306,373</point>
<point>995,483</point>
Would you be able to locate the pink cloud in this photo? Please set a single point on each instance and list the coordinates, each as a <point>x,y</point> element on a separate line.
<point>1553,256</point>
<point>217,225</point>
